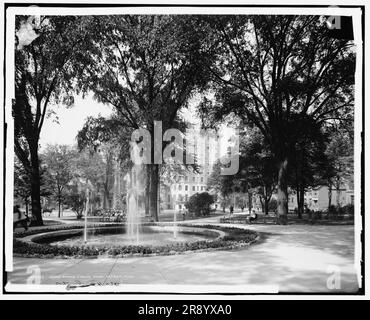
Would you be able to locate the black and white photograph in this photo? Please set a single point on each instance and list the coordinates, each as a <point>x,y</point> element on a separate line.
<point>208,149</point>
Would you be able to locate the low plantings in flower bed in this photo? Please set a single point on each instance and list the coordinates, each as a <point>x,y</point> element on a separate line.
<point>233,238</point>
<point>30,232</point>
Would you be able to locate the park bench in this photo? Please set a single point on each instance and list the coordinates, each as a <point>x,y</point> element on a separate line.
<point>47,210</point>
<point>246,219</point>
<point>234,219</point>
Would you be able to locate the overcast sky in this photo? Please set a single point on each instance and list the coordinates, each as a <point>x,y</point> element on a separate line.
<point>71,120</point>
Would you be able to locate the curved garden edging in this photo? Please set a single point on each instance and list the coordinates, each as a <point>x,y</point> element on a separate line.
<point>228,238</point>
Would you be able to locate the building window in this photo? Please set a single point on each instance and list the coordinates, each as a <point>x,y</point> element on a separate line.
<point>193,179</point>
<point>193,188</point>
<point>180,187</point>
<point>186,197</point>
<point>201,179</point>
<point>186,187</point>
<point>186,178</point>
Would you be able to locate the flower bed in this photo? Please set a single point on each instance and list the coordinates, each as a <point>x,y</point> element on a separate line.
<point>233,238</point>
<point>29,232</point>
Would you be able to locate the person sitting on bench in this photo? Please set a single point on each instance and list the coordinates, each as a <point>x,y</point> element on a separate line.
<point>253,217</point>
<point>20,218</point>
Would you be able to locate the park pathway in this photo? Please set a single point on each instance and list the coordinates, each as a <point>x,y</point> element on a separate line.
<point>294,258</point>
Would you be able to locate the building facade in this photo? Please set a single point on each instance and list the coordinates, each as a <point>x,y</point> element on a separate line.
<point>178,188</point>
<point>317,199</point>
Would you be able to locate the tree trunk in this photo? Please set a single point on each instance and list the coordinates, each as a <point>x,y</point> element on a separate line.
<point>105,197</point>
<point>26,204</point>
<point>282,193</point>
<point>108,181</point>
<point>299,204</point>
<point>267,200</point>
<point>300,201</point>
<point>153,194</point>
<point>330,189</point>
<point>35,187</point>
<point>147,189</point>
<point>249,201</point>
<point>59,209</point>
<point>338,192</point>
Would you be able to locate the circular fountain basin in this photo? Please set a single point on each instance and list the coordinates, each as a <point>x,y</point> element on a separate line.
<point>116,236</point>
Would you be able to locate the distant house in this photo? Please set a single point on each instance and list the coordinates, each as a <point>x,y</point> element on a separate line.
<point>318,198</point>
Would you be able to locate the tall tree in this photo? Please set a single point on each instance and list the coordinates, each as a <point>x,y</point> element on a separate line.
<point>109,138</point>
<point>257,165</point>
<point>76,199</point>
<point>147,68</point>
<point>43,76</point>
<point>222,185</point>
<point>340,153</point>
<point>270,68</point>
<point>58,160</point>
<point>22,183</point>
<point>309,164</point>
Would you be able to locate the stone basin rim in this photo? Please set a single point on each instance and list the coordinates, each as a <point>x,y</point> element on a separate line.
<point>167,228</point>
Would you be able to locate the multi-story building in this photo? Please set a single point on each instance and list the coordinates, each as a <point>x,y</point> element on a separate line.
<point>183,187</point>
<point>176,190</point>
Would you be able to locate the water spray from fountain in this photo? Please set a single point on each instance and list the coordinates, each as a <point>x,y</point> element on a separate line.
<point>134,189</point>
<point>174,225</point>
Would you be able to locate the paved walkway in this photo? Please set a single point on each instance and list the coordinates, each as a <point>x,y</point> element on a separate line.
<point>294,258</point>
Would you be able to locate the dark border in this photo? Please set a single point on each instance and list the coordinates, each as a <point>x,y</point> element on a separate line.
<point>360,292</point>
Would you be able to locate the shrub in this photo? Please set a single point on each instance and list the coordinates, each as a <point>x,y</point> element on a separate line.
<point>77,203</point>
<point>200,203</point>
<point>348,209</point>
<point>341,211</point>
<point>272,205</point>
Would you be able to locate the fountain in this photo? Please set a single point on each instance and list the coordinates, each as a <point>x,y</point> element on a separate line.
<point>134,189</point>
<point>174,225</point>
<point>149,236</point>
<point>133,219</point>
<point>136,232</point>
